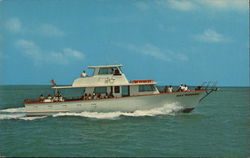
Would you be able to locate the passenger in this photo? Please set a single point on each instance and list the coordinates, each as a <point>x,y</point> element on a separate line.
<point>170,89</point>
<point>56,98</point>
<point>185,88</point>
<point>94,96</point>
<point>116,72</point>
<point>111,95</point>
<point>85,96</point>
<point>83,75</point>
<point>89,97</point>
<point>41,98</point>
<point>166,89</point>
<point>49,97</point>
<point>180,88</point>
<point>99,95</point>
<point>58,94</point>
<point>106,95</point>
<point>61,98</point>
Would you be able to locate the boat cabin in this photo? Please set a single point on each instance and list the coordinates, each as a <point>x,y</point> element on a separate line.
<point>110,80</point>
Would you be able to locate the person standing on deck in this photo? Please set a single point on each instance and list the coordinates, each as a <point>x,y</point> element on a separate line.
<point>83,75</point>
<point>94,96</point>
<point>49,97</point>
<point>181,88</point>
<point>170,89</point>
<point>41,98</point>
<point>185,88</point>
<point>166,89</point>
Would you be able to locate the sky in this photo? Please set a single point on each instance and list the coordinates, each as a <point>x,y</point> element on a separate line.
<point>169,41</point>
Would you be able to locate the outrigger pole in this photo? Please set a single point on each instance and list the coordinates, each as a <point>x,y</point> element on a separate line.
<point>54,84</point>
<point>211,89</point>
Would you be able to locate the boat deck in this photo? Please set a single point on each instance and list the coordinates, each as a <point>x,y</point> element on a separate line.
<point>35,101</point>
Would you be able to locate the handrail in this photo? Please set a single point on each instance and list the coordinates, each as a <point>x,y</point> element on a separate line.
<point>67,99</point>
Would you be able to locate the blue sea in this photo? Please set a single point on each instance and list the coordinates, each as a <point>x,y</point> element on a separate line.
<point>218,127</point>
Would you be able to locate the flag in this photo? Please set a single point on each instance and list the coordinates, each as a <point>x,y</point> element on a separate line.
<point>53,82</point>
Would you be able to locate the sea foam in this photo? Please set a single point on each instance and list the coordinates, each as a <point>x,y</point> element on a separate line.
<point>13,110</point>
<point>16,113</point>
<point>167,109</point>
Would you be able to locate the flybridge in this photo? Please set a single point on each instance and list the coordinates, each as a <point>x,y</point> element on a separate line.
<point>106,75</point>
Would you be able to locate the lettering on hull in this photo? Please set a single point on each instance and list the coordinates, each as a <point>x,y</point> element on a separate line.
<point>182,95</point>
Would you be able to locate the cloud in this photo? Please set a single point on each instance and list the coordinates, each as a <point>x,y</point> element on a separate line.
<point>183,5</point>
<point>50,30</point>
<point>65,56</point>
<point>225,4</point>
<point>210,35</point>
<point>149,50</point>
<point>155,52</point>
<point>142,5</point>
<point>30,49</point>
<point>73,53</point>
<point>39,56</point>
<point>189,5</point>
<point>13,25</point>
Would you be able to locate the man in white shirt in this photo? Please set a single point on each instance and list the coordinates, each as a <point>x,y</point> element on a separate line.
<point>185,88</point>
<point>83,75</point>
<point>170,89</point>
<point>181,88</point>
<point>49,97</point>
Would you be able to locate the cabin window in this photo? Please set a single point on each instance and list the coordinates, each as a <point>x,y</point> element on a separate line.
<point>116,71</point>
<point>105,71</point>
<point>100,90</point>
<point>125,91</point>
<point>117,89</point>
<point>145,88</point>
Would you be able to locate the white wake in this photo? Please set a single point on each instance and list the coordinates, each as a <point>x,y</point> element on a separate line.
<point>167,109</point>
<point>15,113</point>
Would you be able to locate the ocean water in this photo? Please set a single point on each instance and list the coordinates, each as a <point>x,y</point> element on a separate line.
<point>219,126</point>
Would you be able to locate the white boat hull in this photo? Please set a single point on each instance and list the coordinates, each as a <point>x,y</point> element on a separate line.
<point>187,100</point>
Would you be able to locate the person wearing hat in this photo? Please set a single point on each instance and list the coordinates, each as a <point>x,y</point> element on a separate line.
<point>41,98</point>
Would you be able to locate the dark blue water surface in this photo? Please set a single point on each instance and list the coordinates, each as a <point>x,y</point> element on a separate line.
<point>219,126</point>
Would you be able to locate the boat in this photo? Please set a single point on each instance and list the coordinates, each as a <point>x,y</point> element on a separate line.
<point>108,90</point>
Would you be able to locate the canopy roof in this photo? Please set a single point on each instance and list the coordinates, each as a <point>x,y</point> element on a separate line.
<point>105,85</point>
<point>104,66</point>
